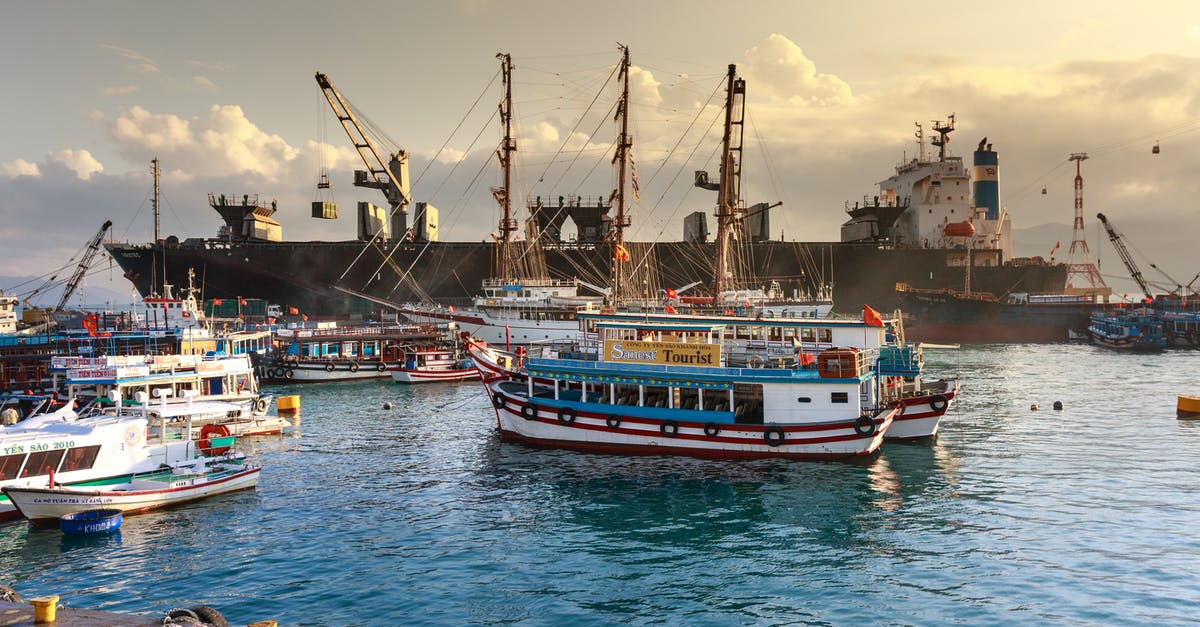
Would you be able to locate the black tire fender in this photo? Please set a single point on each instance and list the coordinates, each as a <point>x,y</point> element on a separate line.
<point>938,403</point>
<point>529,411</point>
<point>864,426</point>
<point>354,366</point>
<point>498,401</point>
<point>669,428</point>
<point>774,436</point>
<point>613,421</point>
<point>566,415</point>
<point>711,429</point>
<point>329,367</point>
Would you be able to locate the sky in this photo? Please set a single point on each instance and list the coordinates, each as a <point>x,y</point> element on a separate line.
<point>223,94</point>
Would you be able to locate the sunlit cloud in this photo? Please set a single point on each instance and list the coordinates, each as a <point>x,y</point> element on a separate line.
<point>20,167</point>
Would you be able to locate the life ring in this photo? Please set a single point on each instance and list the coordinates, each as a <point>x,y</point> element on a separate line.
<point>864,425</point>
<point>354,366</point>
<point>289,373</point>
<point>498,401</point>
<point>566,415</point>
<point>329,367</point>
<point>529,411</point>
<point>669,428</point>
<point>132,435</point>
<point>711,429</point>
<point>938,403</point>
<point>755,361</point>
<point>774,436</point>
<point>207,433</point>
<point>613,421</point>
<point>380,367</point>
<point>260,406</point>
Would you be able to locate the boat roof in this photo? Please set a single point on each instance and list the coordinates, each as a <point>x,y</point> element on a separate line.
<point>659,325</point>
<point>660,374</point>
<point>649,318</point>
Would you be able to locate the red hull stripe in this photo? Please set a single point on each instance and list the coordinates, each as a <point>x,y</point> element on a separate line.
<point>634,449</point>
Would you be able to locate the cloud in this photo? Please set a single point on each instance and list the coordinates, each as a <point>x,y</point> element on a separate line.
<point>782,69</point>
<point>138,62</point>
<point>119,90</point>
<point>203,81</point>
<point>210,66</point>
<point>81,162</point>
<point>20,167</point>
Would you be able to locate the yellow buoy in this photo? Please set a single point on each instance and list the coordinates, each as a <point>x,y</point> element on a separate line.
<point>44,608</point>
<point>1188,407</point>
<point>288,403</point>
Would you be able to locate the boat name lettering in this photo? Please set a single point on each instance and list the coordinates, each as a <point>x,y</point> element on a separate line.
<point>678,353</point>
<point>620,352</point>
<point>71,500</point>
<point>13,450</point>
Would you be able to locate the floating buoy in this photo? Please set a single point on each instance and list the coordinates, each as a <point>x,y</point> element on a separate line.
<point>1033,407</point>
<point>387,406</point>
<point>1058,405</point>
<point>1188,407</point>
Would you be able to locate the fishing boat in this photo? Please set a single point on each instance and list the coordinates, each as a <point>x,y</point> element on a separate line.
<point>1139,330</point>
<point>433,363</point>
<point>666,388</point>
<point>346,353</point>
<point>84,451</point>
<point>178,484</point>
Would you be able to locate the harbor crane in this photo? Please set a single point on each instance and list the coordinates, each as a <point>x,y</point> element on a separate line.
<point>85,263</point>
<point>390,176</point>
<point>1115,237</point>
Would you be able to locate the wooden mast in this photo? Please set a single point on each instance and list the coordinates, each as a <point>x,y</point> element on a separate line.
<point>727,193</point>
<point>503,195</point>
<point>624,143</point>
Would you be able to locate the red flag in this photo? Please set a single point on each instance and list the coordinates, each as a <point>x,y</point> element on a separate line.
<point>217,302</point>
<point>293,311</point>
<point>671,309</point>
<point>304,317</point>
<point>672,293</point>
<point>620,253</point>
<point>452,309</point>
<point>270,320</point>
<point>871,317</point>
<point>241,301</point>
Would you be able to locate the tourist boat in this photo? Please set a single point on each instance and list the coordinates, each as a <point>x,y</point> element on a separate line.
<point>665,388</point>
<point>1140,329</point>
<point>757,341</point>
<point>311,355</point>
<point>178,484</point>
<point>91,451</point>
<point>433,363</point>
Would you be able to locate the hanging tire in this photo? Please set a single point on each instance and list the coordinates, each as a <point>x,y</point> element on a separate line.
<point>381,367</point>
<point>669,428</point>
<point>329,367</point>
<point>498,401</point>
<point>529,411</point>
<point>210,616</point>
<point>353,366</point>
<point>755,361</point>
<point>939,403</point>
<point>613,421</point>
<point>774,436</point>
<point>289,373</point>
<point>711,429</point>
<point>864,426</point>
<point>260,406</point>
<point>566,415</point>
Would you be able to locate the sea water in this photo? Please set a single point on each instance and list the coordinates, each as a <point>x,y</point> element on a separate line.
<point>420,515</point>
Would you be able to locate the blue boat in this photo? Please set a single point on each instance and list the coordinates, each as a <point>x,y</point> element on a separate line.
<point>91,521</point>
<point>1140,329</point>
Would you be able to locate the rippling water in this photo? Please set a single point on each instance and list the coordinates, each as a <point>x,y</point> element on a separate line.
<point>420,514</point>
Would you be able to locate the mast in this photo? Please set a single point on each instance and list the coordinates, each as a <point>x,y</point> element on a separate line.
<point>154,163</point>
<point>503,195</point>
<point>624,143</point>
<point>728,192</point>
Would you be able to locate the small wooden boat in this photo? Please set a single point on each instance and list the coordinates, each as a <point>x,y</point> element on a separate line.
<point>433,364</point>
<point>90,521</point>
<point>1188,407</point>
<point>172,486</point>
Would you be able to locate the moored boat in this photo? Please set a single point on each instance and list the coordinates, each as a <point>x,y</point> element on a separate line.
<point>433,363</point>
<point>665,388</point>
<point>1138,330</point>
<point>338,353</point>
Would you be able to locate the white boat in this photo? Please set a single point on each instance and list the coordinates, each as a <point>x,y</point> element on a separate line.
<point>145,492</point>
<point>665,388</point>
<point>314,355</point>
<point>433,364</point>
<point>81,451</point>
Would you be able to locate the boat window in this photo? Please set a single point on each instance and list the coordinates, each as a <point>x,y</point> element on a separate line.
<point>747,403</point>
<point>807,335</point>
<point>689,398</point>
<point>656,396</point>
<point>80,458</point>
<point>804,399</point>
<point>839,397</point>
<point>824,335</point>
<point>9,465</point>
<point>789,333</point>
<point>42,462</point>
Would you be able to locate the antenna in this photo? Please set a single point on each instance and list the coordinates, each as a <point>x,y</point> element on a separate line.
<point>943,129</point>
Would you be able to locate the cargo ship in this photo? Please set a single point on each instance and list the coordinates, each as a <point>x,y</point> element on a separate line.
<point>899,236</point>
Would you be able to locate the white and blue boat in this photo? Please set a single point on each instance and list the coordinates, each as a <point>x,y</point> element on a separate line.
<point>1140,329</point>
<point>667,388</point>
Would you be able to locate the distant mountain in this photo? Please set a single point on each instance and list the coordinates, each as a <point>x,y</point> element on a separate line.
<point>94,293</point>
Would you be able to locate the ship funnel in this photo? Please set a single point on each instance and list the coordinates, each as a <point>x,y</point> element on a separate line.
<point>985,185</point>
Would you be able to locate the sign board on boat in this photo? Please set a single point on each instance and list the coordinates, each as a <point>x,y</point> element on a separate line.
<point>673,353</point>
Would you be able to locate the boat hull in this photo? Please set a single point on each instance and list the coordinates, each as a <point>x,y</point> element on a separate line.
<point>320,373</point>
<point>433,376</point>
<point>921,416</point>
<point>47,505</point>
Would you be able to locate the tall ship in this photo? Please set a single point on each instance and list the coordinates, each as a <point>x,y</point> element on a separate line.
<point>898,236</point>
